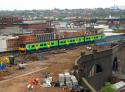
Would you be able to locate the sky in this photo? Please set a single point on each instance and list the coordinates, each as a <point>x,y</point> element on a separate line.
<point>61,4</point>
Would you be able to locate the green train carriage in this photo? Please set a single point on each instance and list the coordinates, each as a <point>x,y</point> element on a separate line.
<point>48,44</point>
<point>42,45</point>
<point>31,46</point>
<point>71,41</point>
<point>89,39</point>
<point>64,42</point>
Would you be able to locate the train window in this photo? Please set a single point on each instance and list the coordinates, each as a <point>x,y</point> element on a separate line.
<point>73,40</point>
<point>52,43</point>
<point>44,44</point>
<point>64,41</point>
<point>87,38</point>
<point>70,40</point>
<point>33,46</point>
<point>79,39</point>
<point>61,41</point>
<point>41,44</point>
<point>28,46</point>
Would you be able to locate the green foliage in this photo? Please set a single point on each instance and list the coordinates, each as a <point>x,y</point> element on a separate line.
<point>108,88</point>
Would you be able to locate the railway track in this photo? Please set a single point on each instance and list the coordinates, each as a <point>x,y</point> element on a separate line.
<point>106,41</point>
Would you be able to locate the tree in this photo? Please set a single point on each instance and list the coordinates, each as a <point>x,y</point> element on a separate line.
<point>108,88</point>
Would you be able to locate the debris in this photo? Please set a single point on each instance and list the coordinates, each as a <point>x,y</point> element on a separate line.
<point>88,48</point>
<point>47,82</point>
<point>67,76</point>
<point>22,66</point>
<point>31,84</point>
<point>74,81</point>
<point>56,84</point>
<point>61,79</point>
<point>119,86</point>
<point>68,80</point>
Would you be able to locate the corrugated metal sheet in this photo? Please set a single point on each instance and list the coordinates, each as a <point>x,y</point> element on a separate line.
<point>36,37</point>
<point>45,37</point>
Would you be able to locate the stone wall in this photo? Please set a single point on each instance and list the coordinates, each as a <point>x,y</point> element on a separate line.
<point>119,52</point>
<point>103,59</point>
<point>88,64</point>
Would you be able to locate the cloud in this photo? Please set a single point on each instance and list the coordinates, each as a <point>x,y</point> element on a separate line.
<point>50,4</point>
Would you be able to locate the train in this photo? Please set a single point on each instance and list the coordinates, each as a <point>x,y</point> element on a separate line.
<point>58,43</point>
<point>65,42</point>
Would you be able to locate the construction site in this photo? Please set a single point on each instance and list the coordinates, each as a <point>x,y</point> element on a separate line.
<point>52,62</point>
<point>79,56</point>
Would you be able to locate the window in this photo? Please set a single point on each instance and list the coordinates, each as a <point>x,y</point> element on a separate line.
<point>95,70</point>
<point>33,46</point>
<point>41,44</point>
<point>87,38</point>
<point>115,64</point>
<point>96,37</point>
<point>61,41</point>
<point>44,44</point>
<point>52,43</point>
<point>28,46</point>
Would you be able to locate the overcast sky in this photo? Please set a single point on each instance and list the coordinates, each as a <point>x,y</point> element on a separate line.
<point>61,4</point>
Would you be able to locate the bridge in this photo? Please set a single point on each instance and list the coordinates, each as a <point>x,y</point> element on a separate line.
<point>99,66</point>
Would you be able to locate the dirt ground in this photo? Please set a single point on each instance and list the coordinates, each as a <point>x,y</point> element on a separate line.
<point>55,64</point>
